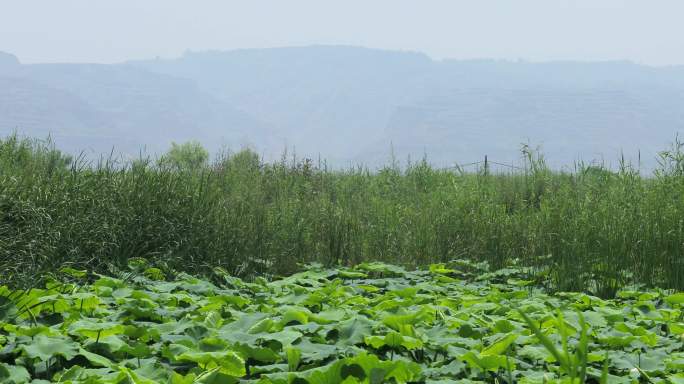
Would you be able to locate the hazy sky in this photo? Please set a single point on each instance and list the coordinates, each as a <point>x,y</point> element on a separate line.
<point>645,31</point>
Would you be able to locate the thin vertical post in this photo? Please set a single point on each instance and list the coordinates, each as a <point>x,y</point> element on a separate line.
<point>486,166</point>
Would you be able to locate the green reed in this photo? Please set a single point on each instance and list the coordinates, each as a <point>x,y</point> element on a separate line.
<point>590,229</point>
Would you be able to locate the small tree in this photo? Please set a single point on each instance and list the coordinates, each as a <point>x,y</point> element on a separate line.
<point>30,153</point>
<point>187,156</point>
<point>244,160</point>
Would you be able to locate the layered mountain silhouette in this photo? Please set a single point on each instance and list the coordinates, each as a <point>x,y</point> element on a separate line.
<point>350,104</point>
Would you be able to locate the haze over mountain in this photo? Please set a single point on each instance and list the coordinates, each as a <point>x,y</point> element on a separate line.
<point>349,104</point>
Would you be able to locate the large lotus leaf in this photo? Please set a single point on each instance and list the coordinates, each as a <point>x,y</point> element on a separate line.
<point>111,344</point>
<point>215,377</point>
<point>315,351</point>
<point>395,322</point>
<point>351,274</point>
<point>504,326</point>
<point>198,286</point>
<point>594,319</point>
<point>451,369</point>
<point>138,350</point>
<point>675,362</point>
<point>30,331</point>
<point>244,322</point>
<point>138,310</point>
<point>8,309</point>
<point>388,305</point>
<point>73,272</point>
<point>553,324</point>
<point>597,374</point>
<point>403,372</point>
<point>212,320</point>
<point>486,363</point>
<point>616,339</point>
<point>634,329</point>
<point>285,337</point>
<point>261,326</point>
<point>164,286</point>
<point>652,362</point>
<point>315,300</point>
<point>85,301</point>
<point>391,339</point>
<point>257,353</point>
<point>171,327</point>
<point>290,299</point>
<point>540,377</point>
<point>351,331</point>
<point>293,356</point>
<point>500,346</point>
<point>142,332</point>
<point>406,293</point>
<point>122,293</point>
<point>216,302</point>
<point>378,371</point>
<point>73,374</point>
<point>227,362</point>
<point>535,353</point>
<point>675,299</point>
<point>56,303</point>
<point>128,376</point>
<point>96,330</point>
<point>257,370</point>
<point>677,378</point>
<point>329,374</point>
<point>173,350</point>
<point>154,370</point>
<point>677,328</point>
<point>242,337</point>
<point>177,378</point>
<point>381,269</point>
<point>13,374</point>
<point>611,314</point>
<point>295,315</point>
<point>328,316</point>
<point>367,288</point>
<point>309,329</point>
<point>439,334</point>
<point>95,359</point>
<point>44,348</point>
<point>468,330</point>
<point>286,377</point>
<point>442,269</point>
<point>11,301</point>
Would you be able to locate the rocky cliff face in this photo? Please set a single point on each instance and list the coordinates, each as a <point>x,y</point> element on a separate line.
<point>350,104</point>
<point>8,63</point>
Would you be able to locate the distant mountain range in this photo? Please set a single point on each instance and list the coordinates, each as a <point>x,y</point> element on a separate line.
<point>349,105</point>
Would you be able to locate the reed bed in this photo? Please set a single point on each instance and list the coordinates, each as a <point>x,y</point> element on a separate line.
<point>589,229</point>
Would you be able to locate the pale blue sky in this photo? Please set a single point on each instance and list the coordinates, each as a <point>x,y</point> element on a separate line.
<point>644,31</point>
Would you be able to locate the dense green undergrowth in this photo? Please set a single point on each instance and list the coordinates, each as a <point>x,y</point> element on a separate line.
<point>375,323</point>
<point>589,230</point>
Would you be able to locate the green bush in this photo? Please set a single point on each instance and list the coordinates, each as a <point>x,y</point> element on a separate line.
<point>189,156</point>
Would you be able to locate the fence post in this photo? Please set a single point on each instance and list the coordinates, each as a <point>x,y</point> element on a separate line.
<point>486,166</point>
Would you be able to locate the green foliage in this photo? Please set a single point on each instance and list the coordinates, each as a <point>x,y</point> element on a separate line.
<point>590,230</point>
<point>322,326</point>
<point>188,156</point>
<point>21,154</point>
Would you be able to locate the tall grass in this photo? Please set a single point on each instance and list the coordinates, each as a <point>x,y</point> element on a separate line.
<point>590,229</point>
